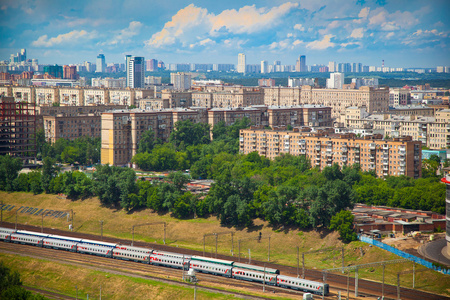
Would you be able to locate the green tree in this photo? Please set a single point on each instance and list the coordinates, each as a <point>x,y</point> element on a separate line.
<point>343,222</point>
<point>186,133</point>
<point>179,179</point>
<point>9,170</point>
<point>148,141</point>
<point>48,173</point>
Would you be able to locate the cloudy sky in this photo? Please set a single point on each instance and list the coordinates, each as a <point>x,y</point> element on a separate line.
<point>409,33</point>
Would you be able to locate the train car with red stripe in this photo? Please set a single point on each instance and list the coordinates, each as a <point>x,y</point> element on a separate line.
<point>59,244</point>
<point>126,254</point>
<point>302,285</point>
<point>215,269</point>
<point>256,276</point>
<point>26,239</point>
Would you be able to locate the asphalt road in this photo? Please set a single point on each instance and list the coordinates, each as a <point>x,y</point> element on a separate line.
<point>433,251</point>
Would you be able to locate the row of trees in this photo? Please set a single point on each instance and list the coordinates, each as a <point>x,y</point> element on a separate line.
<point>11,286</point>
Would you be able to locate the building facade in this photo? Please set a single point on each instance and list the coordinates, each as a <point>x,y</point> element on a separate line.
<point>100,64</point>
<point>241,66</point>
<point>135,70</point>
<point>181,81</point>
<point>394,157</point>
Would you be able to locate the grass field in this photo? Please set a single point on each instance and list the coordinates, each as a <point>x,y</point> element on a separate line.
<point>189,234</point>
<point>66,279</point>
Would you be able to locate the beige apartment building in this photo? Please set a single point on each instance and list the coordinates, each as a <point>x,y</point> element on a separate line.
<point>375,100</point>
<point>121,130</point>
<point>282,96</point>
<point>71,127</point>
<point>400,156</point>
<point>434,132</point>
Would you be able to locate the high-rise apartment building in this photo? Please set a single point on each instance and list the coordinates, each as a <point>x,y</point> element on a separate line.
<point>181,81</point>
<point>264,66</point>
<point>332,66</point>
<point>70,72</point>
<point>301,64</point>
<point>135,69</point>
<point>400,156</point>
<point>151,65</point>
<point>54,71</point>
<point>101,64</point>
<point>336,81</point>
<point>241,67</point>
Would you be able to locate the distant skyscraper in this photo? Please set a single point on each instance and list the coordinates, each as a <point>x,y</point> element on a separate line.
<point>302,60</point>
<point>70,72</point>
<point>332,66</point>
<point>181,81</point>
<point>336,81</point>
<point>264,66</point>
<point>135,70</point>
<point>241,63</point>
<point>101,64</point>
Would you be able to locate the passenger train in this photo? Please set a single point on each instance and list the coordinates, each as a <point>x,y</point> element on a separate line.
<point>202,264</point>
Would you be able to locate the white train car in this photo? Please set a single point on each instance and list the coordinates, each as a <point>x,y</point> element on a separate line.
<point>59,244</point>
<point>158,253</point>
<point>26,239</point>
<point>64,238</point>
<point>302,284</point>
<point>167,261</point>
<point>95,250</point>
<point>249,275</point>
<point>7,230</point>
<point>32,233</point>
<point>4,236</point>
<point>131,255</point>
<point>134,249</point>
<point>98,243</point>
<point>205,267</point>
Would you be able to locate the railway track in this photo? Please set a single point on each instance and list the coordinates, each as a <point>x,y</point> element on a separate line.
<point>337,282</point>
<point>208,282</point>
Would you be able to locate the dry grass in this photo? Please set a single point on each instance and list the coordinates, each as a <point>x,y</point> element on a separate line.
<point>62,278</point>
<point>189,234</point>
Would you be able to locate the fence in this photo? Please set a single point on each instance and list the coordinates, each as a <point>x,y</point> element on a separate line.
<point>400,253</point>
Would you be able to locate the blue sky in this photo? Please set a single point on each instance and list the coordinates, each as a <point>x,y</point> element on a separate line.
<point>406,33</point>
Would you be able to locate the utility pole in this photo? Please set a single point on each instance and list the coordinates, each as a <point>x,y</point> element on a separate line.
<point>356,282</point>
<point>298,263</point>
<point>76,287</point>
<point>264,278</point>
<point>73,217</point>
<point>216,244</point>
<point>101,230</point>
<point>249,257</point>
<point>303,265</point>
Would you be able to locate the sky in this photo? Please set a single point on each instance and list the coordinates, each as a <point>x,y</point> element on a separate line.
<point>403,33</point>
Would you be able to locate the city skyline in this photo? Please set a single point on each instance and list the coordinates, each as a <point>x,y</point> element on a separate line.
<point>402,33</point>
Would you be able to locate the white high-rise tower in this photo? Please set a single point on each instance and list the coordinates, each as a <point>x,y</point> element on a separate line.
<point>241,63</point>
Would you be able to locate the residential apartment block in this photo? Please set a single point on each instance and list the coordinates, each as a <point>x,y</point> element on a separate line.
<point>432,131</point>
<point>121,130</point>
<point>337,99</point>
<point>400,156</point>
<point>75,96</point>
<point>71,127</point>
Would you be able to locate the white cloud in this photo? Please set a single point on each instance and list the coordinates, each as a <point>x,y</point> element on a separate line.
<point>66,38</point>
<point>394,21</point>
<point>363,14</point>
<point>330,26</point>
<point>192,22</point>
<point>357,33</point>
<point>299,27</point>
<point>322,44</point>
<point>205,42</point>
<point>389,35</point>
<point>125,35</point>
<point>249,19</point>
<point>297,42</point>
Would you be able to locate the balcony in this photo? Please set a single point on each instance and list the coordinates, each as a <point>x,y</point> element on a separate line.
<point>344,150</point>
<point>402,164</point>
<point>329,149</point>
<point>372,166</point>
<point>317,163</point>
<point>385,147</point>
<point>385,162</point>
<point>317,158</point>
<point>317,148</point>
<point>385,168</point>
<point>344,159</point>
<point>402,152</point>
<point>302,151</point>
<point>330,154</point>
<point>302,142</point>
<point>356,150</point>
<point>402,169</point>
<point>372,146</point>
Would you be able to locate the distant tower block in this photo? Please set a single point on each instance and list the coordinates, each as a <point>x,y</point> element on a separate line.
<point>446,180</point>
